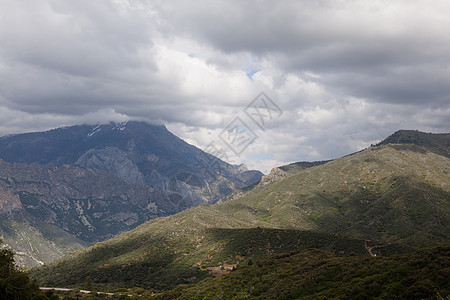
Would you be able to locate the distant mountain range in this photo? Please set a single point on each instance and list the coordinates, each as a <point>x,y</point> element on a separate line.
<point>89,183</point>
<point>387,199</point>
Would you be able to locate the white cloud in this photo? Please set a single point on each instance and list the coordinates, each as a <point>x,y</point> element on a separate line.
<point>345,73</point>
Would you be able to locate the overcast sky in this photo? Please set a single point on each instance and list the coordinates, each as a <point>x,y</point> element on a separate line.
<point>343,74</point>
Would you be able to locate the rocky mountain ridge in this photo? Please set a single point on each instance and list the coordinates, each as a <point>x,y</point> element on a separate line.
<point>136,152</point>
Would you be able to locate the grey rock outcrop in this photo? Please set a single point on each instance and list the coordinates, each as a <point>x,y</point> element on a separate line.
<point>113,160</point>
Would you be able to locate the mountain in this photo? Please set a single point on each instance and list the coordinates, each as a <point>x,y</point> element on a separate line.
<point>384,200</point>
<point>137,152</point>
<point>69,187</point>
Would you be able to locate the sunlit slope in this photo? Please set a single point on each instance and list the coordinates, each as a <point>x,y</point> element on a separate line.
<point>392,193</point>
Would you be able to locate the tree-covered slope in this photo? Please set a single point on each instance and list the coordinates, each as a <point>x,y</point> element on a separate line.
<point>388,194</point>
<point>315,274</point>
<point>160,262</point>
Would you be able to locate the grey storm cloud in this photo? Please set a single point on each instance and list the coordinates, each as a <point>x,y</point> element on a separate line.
<point>346,73</point>
<point>385,51</point>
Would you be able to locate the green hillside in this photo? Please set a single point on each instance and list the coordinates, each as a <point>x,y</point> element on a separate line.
<point>395,197</point>
<point>315,274</point>
<point>160,262</point>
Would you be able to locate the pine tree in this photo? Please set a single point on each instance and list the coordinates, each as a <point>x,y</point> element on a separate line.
<point>88,284</point>
<point>14,283</point>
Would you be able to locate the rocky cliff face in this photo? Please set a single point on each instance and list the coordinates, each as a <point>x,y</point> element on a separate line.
<point>94,182</point>
<point>91,206</point>
<point>112,160</point>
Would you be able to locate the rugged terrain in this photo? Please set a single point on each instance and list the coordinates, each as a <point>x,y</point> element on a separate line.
<point>384,200</point>
<point>66,188</point>
<point>136,152</point>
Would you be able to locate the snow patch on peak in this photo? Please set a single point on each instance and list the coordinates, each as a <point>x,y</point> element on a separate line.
<point>120,125</point>
<point>95,130</point>
<point>111,126</point>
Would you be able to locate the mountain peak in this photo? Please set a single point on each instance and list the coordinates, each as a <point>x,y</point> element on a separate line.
<point>135,151</point>
<point>98,180</point>
<point>134,126</point>
<point>436,142</point>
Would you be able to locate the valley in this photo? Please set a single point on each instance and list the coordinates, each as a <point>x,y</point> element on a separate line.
<point>376,208</point>
<point>224,150</point>
<point>392,199</point>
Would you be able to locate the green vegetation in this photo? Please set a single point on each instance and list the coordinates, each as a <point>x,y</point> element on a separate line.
<point>386,199</point>
<point>15,284</point>
<point>161,263</point>
<point>317,274</point>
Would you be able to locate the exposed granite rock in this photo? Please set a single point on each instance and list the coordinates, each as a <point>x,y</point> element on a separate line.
<point>78,200</point>
<point>113,160</point>
<point>9,203</point>
<point>274,175</point>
